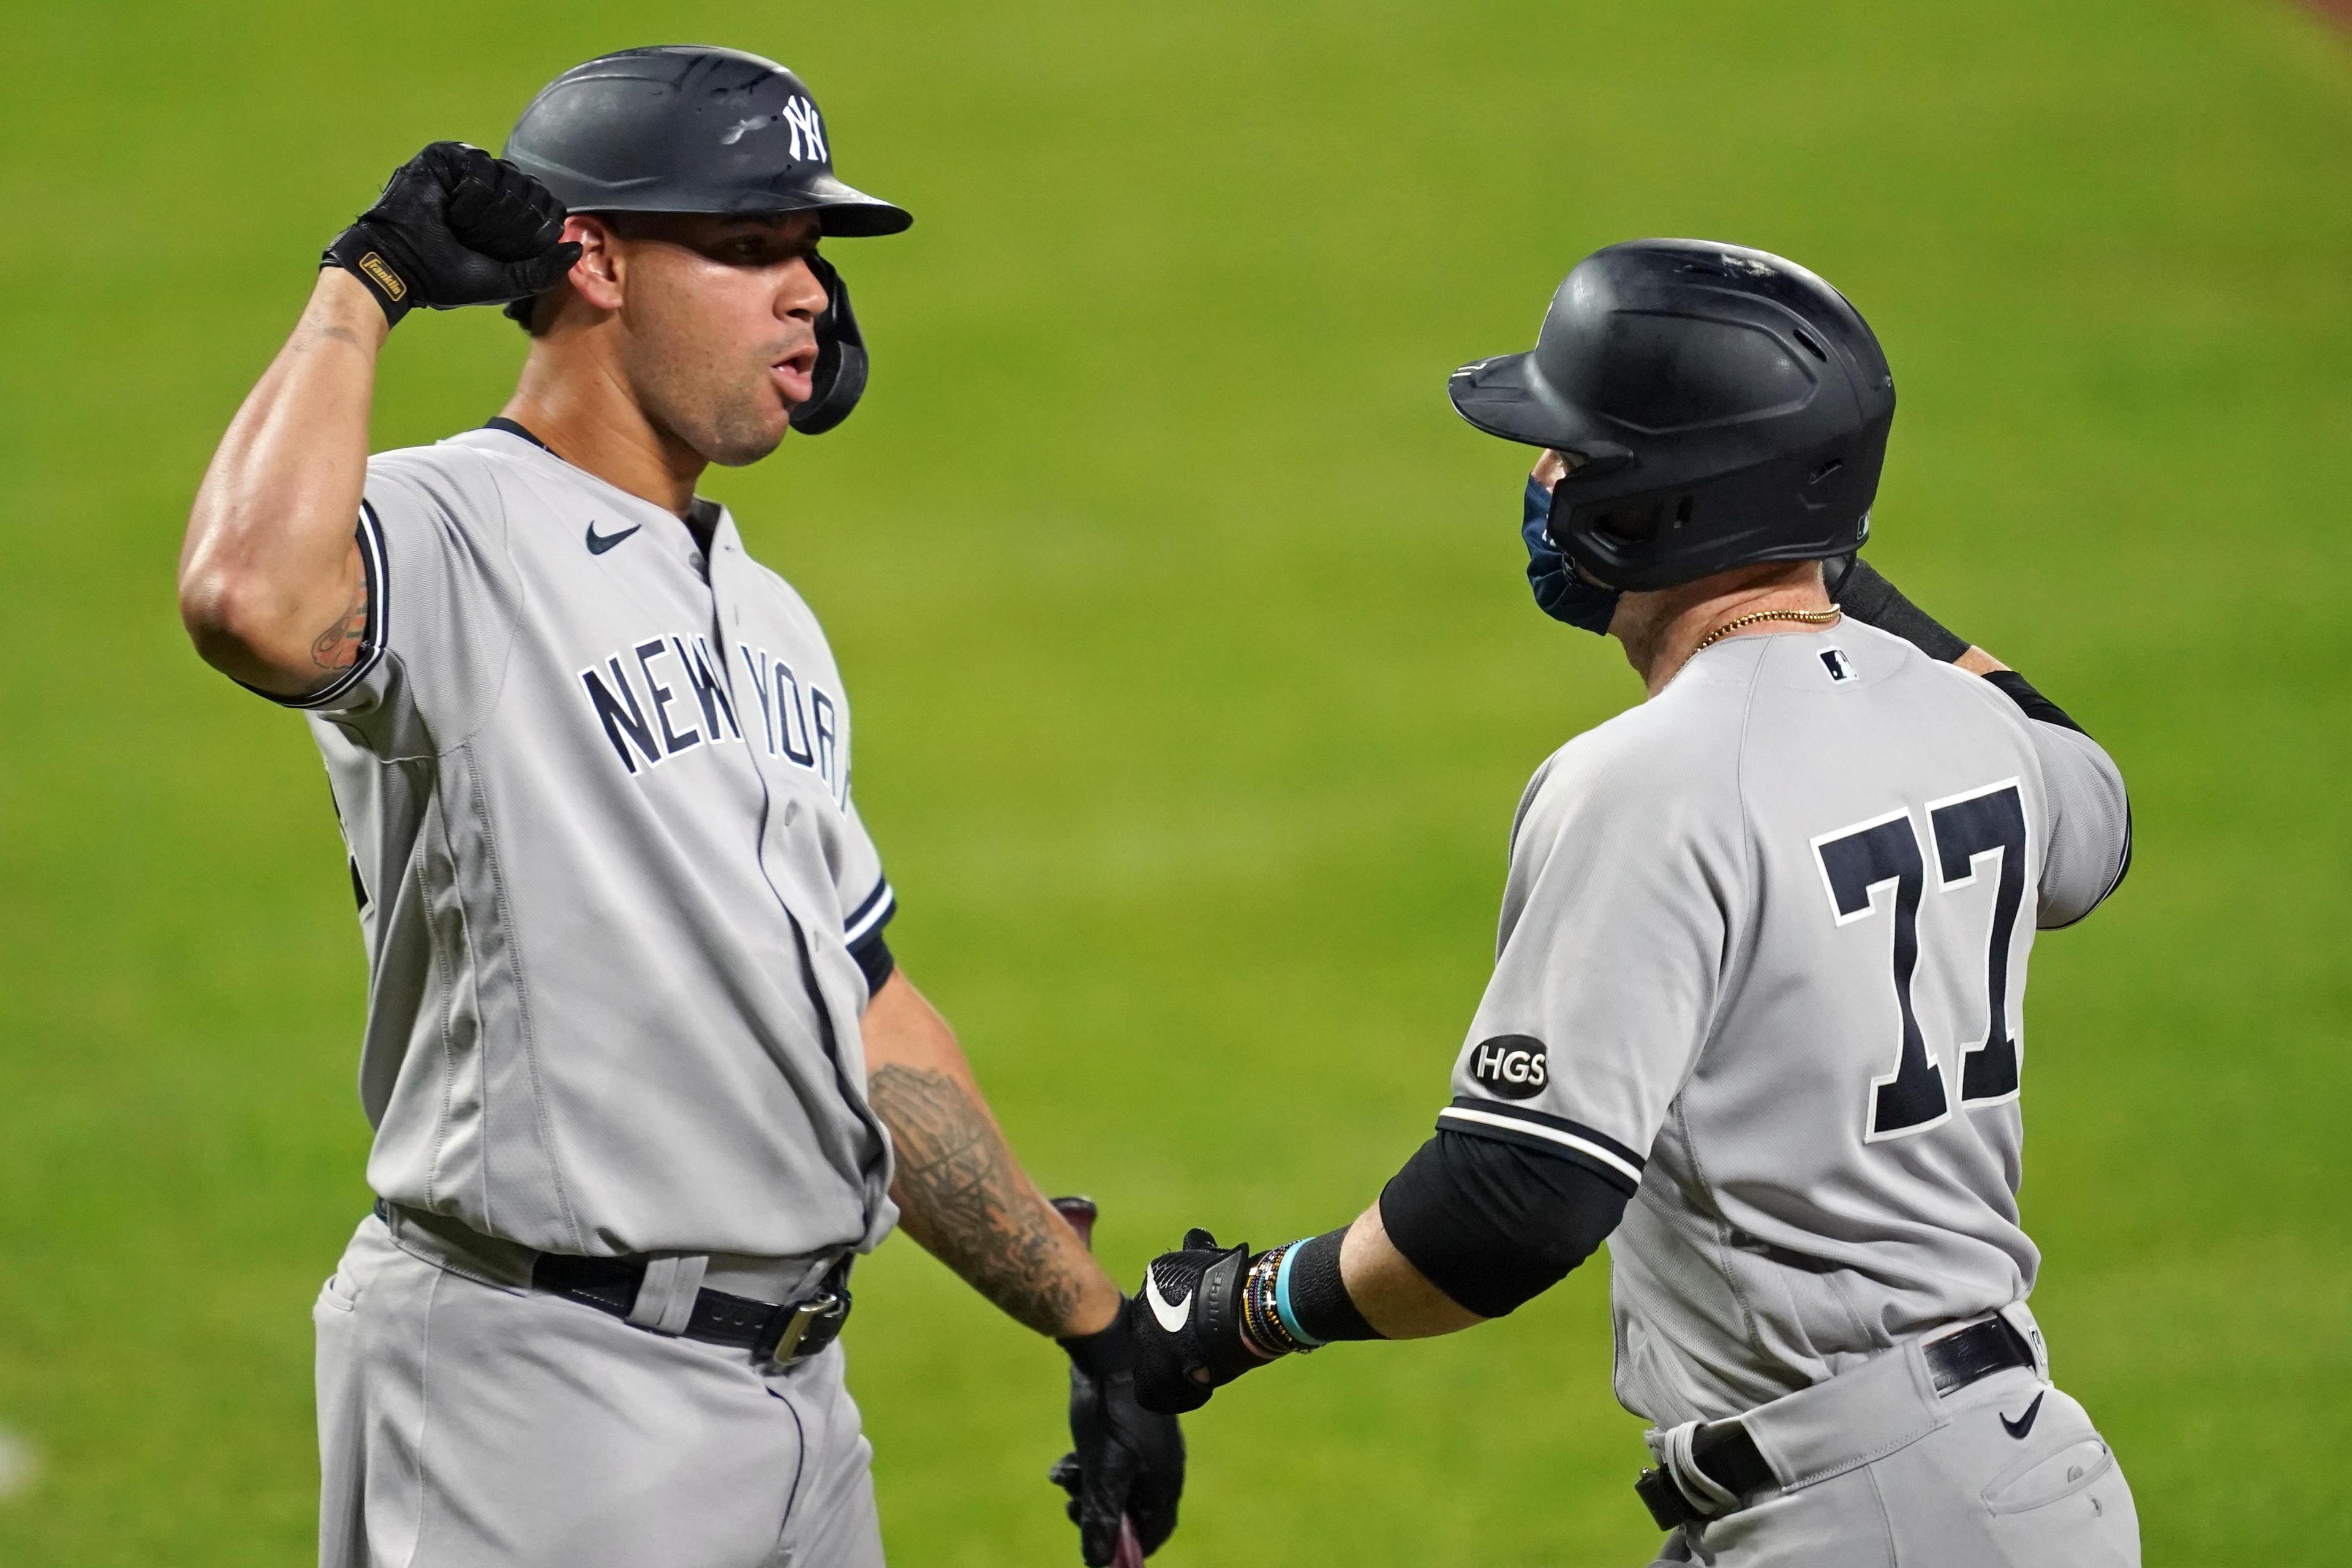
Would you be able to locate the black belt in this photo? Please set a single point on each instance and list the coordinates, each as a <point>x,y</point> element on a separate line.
<point>776,1335</point>
<point>1731,1459</point>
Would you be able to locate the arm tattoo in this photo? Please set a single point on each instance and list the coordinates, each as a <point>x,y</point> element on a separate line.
<point>962,1197</point>
<point>338,647</point>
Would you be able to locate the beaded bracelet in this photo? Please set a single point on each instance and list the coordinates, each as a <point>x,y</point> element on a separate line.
<point>1267,1329</point>
<point>1261,1329</point>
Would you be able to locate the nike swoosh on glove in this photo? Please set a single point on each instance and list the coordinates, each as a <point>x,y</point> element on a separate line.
<point>1186,1323</point>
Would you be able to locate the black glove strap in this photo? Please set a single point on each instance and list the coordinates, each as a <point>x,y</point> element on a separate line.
<point>360,252</point>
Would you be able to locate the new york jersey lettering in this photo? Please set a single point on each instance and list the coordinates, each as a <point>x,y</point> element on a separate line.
<point>647,699</point>
<point>798,727</point>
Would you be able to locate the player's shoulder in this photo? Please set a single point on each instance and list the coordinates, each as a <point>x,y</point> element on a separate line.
<point>1942,677</point>
<point>1680,740</point>
<point>459,478</point>
<point>1651,767</point>
<point>1872,677</point>
<point>1871,654</point>
<point>468,452</point>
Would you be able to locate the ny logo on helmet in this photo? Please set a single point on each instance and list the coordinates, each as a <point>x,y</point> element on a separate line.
<point>799,116</point>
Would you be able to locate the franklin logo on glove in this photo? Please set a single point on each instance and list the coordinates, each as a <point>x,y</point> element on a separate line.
<point>1513,1066</point>
<point>386,278</point>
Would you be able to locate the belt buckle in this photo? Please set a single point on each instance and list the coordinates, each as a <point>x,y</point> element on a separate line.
<point>797,1324</point>
<point>1664,1500</point>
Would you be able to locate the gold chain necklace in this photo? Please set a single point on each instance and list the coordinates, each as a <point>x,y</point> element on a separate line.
<point>1810,618</point>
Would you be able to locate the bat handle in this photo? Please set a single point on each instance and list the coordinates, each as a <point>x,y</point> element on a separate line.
<point>1081,1213</point>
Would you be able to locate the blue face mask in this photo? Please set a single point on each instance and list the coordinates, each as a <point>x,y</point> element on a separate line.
<point>1560,592</point>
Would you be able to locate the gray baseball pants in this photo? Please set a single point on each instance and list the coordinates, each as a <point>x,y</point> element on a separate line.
<point>470,1423</point>
<point>2007,1472</point>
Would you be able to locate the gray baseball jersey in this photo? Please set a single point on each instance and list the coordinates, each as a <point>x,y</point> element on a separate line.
<point>1762,963</point>
<point>593,774</point>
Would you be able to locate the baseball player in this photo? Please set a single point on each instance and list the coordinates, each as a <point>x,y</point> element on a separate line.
<point>644,1074</point>
<point>1757,1010</point>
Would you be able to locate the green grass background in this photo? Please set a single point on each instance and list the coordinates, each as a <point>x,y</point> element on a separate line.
<point>1196,683</point>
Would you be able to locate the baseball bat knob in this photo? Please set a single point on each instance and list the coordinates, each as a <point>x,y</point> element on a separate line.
<point>1080,1213</point>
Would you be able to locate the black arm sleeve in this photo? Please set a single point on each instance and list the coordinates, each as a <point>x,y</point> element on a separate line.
<point>1857,588</point>
<point>1493,1225</point>
<point>2036,706</point>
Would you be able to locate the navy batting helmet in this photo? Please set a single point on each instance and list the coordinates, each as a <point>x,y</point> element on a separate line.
<point>1718,407</point>
<point>688,127</point>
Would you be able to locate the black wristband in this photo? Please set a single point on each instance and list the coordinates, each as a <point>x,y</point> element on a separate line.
<point>1106,1352</point>
<point>1874,601</point>
<point>358,251</point>
<point>1318,1298</point>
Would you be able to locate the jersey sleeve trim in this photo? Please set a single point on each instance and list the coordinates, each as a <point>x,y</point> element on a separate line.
<point>871,915</point>
<point>369,536</point>
<point>2122,867</point>
<point>1549,1134</point>
<point>876,960</point>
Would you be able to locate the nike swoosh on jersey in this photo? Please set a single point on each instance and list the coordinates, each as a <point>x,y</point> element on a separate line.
<point>600,543</point>
<point>1172,1315</point>
<point>2024,1423</point>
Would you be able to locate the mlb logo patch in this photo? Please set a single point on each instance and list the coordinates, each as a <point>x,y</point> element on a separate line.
<point>1834,661</point>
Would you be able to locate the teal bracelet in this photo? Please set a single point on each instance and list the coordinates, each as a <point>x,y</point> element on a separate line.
<point>1282,1297</point>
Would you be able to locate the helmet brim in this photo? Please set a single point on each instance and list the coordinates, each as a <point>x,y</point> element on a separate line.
<point>845,210</point>
<point>1507,396</point>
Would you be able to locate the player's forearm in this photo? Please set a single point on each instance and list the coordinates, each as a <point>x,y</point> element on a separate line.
<point>960,1192</point>
<point>1394,1297</point>
<point>270,585</point>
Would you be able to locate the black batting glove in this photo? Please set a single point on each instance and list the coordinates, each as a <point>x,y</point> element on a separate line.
<point>456,226</point>
<point>1129,1462</point>
<point>1188,1324</point>
<point>1855,586</point>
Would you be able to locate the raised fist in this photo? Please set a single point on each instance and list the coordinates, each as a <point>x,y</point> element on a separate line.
<point>456,226</point>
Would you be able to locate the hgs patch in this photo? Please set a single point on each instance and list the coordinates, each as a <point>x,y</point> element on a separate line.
<point>1513,1066</point>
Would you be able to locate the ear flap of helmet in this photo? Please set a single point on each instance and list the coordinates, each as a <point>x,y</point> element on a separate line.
<point>839,379</point>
